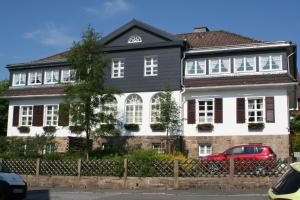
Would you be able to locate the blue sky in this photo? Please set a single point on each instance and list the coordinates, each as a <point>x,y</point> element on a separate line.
<point>33,29</point>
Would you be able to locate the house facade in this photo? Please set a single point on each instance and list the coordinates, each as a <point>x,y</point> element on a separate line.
<point>231,89</point>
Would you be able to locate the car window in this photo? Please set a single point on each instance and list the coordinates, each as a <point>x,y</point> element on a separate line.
<point>236,151</point>
<point>260,149</point>
<point>249,150</point>
<point>288,183</point>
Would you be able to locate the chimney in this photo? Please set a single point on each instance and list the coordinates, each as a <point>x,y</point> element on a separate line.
<point>201,29</point>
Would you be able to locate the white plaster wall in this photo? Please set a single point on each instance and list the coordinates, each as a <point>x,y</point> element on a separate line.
<point>229,125</point>
<point>145,129</point>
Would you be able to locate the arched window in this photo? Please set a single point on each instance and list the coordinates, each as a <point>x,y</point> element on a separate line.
<point>134,109</point>
<point>109,105</point>
<point>155,108</point>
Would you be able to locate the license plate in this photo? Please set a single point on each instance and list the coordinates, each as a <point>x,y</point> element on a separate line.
<point>18,191</point>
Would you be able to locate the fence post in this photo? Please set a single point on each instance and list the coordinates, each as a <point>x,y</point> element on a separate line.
<point>231,167</point>
<point>79,168</point>
<point>176,173</point>
<point>37,167</point>
<point>125,168</point>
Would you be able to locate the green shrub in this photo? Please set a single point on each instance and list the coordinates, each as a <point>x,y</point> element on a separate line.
<point>76,129</point>
<point>24,129</point>
<point>3,144</point>
<point>256,126</point>
<point>132,127</point>
<point>296,143</point>
<point>205,127</point>
<point>158,127</point>
<point>49,129</point>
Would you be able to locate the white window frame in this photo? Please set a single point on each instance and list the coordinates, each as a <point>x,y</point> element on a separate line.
<point>206,111</point>
<point>69,75</point>
<point>52,74</point>
<point>270,62</point>
<point>134,117</point>
<point>206,149</point>
<point>195,61</point>
<point>219,60</point>
<point>244,64</point>
<point>255,110</point>
<point>52,115</point>
<point>27,115</point>
<point>35,77</point>
<point>19,74</point>
<point>110,108</point>
<point>119,68</point>
<point>153,72</point>
<point>151,109</point>
<point>160,149</point>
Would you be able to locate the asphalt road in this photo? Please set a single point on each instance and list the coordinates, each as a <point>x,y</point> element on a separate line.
<point>75,194</point>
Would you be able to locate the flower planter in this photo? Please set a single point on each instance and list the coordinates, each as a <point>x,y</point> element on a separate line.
<point>132,127</point>
<point>256,126</point>
<point>76,129</point>
<point>49,129</point>
<point>157,127</point>
<point>205,127</point>
<point>24,129</point>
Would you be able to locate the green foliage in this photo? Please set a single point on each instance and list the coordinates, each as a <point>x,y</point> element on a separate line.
<point>295,123</point>
<point>296,143</point>
<point>24,129</point>
<point>107,130</point>
<point>3,108</point>
<point>256,126</point>
<point>205,127</point>
<point>77,129</point>
<point>132,127</point>
<point>157,127</point>
<point>89,61</point>
<point>49,129</point>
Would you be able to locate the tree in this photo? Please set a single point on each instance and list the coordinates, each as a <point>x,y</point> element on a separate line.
<point>3,108</point>
<point>169,115</point>
<point>88,93</point>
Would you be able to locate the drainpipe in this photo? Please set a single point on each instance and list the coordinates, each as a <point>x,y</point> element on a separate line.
<point>182,101</point>
<point>288,63</point>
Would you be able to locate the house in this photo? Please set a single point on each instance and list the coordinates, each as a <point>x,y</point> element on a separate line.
<point>231,89</point>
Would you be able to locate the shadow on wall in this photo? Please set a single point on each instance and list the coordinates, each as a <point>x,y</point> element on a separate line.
<point>38,195</point>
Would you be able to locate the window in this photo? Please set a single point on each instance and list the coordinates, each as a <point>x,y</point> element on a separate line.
<point>157,147</point>
<point>118,68</point>
<point>205,149</point>
<point>35,78</point>
<point>51,76</point>
<point>155,108</point>
<point>48,148</point>
<point>110,105</point>
<point>206,111</point>
<point>236,151</point>
<point>151,66</point>
<point>270,62</point>
<point>107,147</point>
<point>26,115</point>
<point>51,115</point>
<point>19,79</point>
<point>255,110</point>
<point>68,75</point>
<point>134,109</point>
<point>218,66</point>
<point>245,64</point>
<point>195,67</point>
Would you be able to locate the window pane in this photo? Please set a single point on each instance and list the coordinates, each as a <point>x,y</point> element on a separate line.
<point>201,65</point>
<point>225,65</point>
<point>264,62</point>
<point>250,63</point>
<point>276,62</point>
<point>239,64</point>
<point>190,67</point>
<point>214,66</point>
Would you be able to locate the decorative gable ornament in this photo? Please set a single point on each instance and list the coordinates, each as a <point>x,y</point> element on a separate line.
<point>134,39</point>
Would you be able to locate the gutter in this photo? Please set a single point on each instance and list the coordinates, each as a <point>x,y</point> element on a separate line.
<point>31,96</point>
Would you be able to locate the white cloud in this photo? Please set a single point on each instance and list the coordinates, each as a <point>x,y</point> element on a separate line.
<point>109,8</point>
<point>51,35</point>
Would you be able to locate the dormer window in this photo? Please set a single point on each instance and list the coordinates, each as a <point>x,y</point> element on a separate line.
<point>19,79</point>
<point>270,62</point>
<point>245,64</point>
<point>219,66</point>
<point>51,76</point>
<point>195,67</point>
<point>35,78</point>
<point>68,75</point>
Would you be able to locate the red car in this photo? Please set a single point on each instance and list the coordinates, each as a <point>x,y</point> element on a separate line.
<point>249,157</point>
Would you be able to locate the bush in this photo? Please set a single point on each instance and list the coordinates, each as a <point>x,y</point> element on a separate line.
<point>205,127</point>
<point>49,129</point>
<point>295,123</point>
<point>3,144</point>
<point>256,126</point>
<point>132,127</point>
<point>24,129</point>
<point>157,127</point>
<point>296,143</point>
<point>76,129</point>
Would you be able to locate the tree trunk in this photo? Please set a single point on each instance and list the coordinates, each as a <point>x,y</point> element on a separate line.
<point>168,142</point>
<point>87,128</point>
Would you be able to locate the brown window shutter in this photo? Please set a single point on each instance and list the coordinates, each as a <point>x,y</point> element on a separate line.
<point>191,111</point>
<point>218,110</point>
<point>38,115</point>
<point>63,119</point>
<point>16,115</point>
<point>240,110</point>
<point>270,114</point>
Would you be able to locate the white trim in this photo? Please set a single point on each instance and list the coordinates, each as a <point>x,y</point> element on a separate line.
<point>19,76</point>
<point>270,62</point>
<point>119,68</point>
<point>52,74</point>
<point>158,93</point>
<point>255,110</point>
<point>205,149</point>
<point>244,65</point>
<point>134,110</point>
<point>195,62</point>
<point>69,75</point>
<point>35,77</point>
<point>21,114</point>
<point>205,111</point>
<point>151,66</point>
<point>30,96</point>
<point>45,115</point>
<point>219,59</point>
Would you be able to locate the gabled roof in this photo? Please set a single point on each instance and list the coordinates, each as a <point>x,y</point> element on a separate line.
<point>136,23</point>
<point>215,38</point>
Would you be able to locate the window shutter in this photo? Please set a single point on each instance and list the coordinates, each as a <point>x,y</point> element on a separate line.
<point>218,110</point>
<point>240,110</point>
<point>16,115</point>
<point>38,115</point>
<point>191,111</point>
<point>63,119</point>
<point>270,114</point>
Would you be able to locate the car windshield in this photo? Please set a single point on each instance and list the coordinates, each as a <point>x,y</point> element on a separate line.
<point>288,183</point>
